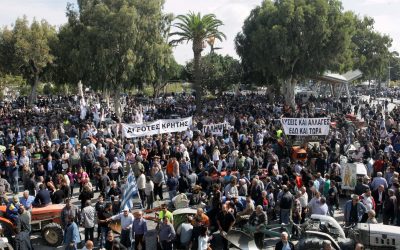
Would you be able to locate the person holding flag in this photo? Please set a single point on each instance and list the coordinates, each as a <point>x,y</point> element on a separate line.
<point>130,191</point>
<point>126,217</point>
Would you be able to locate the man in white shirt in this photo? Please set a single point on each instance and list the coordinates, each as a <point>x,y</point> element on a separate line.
<point>126,226</point>
<point>369,203</point>
<point>303,203</point>
<point>141,184</point>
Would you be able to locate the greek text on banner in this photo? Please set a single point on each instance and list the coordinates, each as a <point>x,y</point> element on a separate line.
<point>306,126</point>
<point>216,129</point>
<point>156,127</point>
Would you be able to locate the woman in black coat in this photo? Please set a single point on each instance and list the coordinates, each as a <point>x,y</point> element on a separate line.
<point>86,195</point>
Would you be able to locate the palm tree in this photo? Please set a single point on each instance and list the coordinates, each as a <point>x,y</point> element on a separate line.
<point>198,29</point>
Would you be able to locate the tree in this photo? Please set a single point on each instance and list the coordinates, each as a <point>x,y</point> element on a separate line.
<point>220,72</point>
<point>289,40</point>
<point>395,67</point>
<point>170,72</point>
<point>371,53</point>
<point>115,44</point>
<point>26,51</point>
<point>197,29</point>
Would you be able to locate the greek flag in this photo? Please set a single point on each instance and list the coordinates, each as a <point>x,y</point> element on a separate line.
<point>130,191</point>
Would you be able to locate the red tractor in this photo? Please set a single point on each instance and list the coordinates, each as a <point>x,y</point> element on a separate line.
<point>47,220</point>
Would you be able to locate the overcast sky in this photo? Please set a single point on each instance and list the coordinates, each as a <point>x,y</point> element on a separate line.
<point>231,12</point>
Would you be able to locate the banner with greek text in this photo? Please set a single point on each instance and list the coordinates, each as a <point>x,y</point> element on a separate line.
<point>156,127</point>
<point>216,129</point>
<point>306,126</point>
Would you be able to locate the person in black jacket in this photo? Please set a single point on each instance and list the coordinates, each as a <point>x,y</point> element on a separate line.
<point>42,198</point>
<point>58,196</point>
<point>258,219</point>
<point>284,243</point>
<point>31,184</point>
<point>286,204</point>
<point>86,195</point>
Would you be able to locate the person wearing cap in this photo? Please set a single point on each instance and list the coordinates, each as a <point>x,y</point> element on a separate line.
<point>158,180</point>
<point>139,230</point>
<point>126,226</point>
<point>138,167</point>
<point>354,210</point>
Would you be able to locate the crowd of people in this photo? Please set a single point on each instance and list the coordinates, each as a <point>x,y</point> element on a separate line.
<point>67,147</point>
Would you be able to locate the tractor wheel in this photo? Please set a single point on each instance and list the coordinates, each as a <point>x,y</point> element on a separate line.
<point>8,232</point>
<point>7,246</point>
<point>52,234</point>
<point>312,243</point>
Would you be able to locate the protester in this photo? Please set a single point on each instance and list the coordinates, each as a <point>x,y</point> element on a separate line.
<point>139,230</point>
<point>185,231</point>
<point>251,158</point>
<point>70,210</point>
<point>284,243</point>
<point>71,235</point>
<point>225,221</point>
<point>354,210</point>
<point>88,216</point>
<point>126,226</point>
<point>166,234</point>
<point>258,219</point>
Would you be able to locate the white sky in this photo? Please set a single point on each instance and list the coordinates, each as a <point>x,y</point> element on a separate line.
<point>231,12</point>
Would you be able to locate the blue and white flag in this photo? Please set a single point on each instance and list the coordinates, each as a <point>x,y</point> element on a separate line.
<point>130,191</point>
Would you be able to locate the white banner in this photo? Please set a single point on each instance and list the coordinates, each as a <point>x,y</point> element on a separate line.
<point>216,129</point>
<point>156,127</point>
<point>306,126</point>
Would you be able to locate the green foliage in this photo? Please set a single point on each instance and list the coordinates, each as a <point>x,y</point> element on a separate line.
<point>371,49</point>
<point>194,27</point>
<point>111,45</point>
<point>219,73</point>
<point>289,40</point>
<point>395,67</point>
<point>197,29</point>
<point>13,81</point>
<point>25,50</point>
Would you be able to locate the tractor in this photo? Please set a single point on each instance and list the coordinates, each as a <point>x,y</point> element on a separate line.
<point>320,228</point>
<point>46,219</point>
